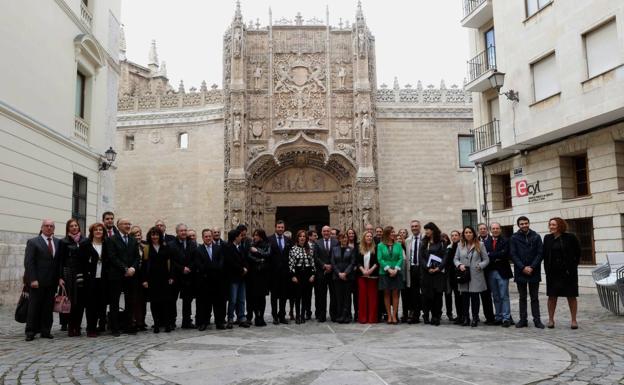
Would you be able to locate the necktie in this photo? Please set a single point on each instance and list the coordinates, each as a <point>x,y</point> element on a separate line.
<point>327,244</point>
<point>50,247</point>
<point>125,239</point>
<point>493,243</point>
<point>184,243</point>
<point>281,244</point>
<point>209,250</point>
<point>110,232</point>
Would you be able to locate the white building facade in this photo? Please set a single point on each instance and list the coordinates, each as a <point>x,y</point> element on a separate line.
<point>552,143</point>
<point>58,103</point>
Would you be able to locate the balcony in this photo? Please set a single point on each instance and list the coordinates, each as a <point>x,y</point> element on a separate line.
<point>85,15</point>
<point>476,13</point>
<point>81,130</point>
<point>486,141</point>
<point>480,68</point>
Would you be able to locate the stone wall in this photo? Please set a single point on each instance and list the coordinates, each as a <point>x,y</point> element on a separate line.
<point>159,180</point>
<point>419,176</point>
<point>12,246</point>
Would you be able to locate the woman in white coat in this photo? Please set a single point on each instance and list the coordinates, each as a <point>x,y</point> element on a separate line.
<point>471,255</point>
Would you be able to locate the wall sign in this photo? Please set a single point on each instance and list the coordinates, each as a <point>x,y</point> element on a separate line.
<point>532,190</point>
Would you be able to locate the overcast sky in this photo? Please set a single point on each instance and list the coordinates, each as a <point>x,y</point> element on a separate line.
<point>415,40</point>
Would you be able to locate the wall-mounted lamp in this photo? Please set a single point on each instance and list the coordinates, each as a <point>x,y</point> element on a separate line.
<point>110,156</point>
<point>497,79</point>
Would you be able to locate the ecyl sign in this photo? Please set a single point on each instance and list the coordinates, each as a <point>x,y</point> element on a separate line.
<point>524,189</point>
<point>532,190</point>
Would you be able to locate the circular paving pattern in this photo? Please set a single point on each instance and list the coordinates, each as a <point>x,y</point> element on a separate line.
<point>327,354</point>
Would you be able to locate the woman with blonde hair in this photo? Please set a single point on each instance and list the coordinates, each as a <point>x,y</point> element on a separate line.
<point>471,256</point>
<point>368,268</point>
<point>390,257</point>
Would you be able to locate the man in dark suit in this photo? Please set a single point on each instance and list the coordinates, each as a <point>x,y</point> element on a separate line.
<point>108,218</point>
<point>122,263</point>
<point>209,282</point>
<point>499,274</point>
<point>323,281</point>
<point>42,276</point>
<point>183,286</point>
<point>486,296</point>
<point>163,228</point>
<point>280,275</point>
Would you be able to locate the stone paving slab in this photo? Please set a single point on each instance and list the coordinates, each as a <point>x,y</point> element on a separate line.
<point>329,354</point>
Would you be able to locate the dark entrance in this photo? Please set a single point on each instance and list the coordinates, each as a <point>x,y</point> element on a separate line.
<point>303,217</point>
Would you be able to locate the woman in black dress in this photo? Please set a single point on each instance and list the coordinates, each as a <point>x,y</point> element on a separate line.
<point>91,252</point>
<point>259,254</point>
<point>301,266</point>
<point>453,289</point>
<point>140,299</point>
<point>433,273</point>
<point>73,279</point>
<point>562,253</point>
<point>157,275</point>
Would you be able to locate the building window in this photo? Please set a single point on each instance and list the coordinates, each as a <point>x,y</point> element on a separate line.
<point>81,84</point>
<point>469,218</point>
<point>545,80</point>
<point>574,176</point>
<point>183,140</point>
<point>581,177</point>
<point>465,149</point>
<point>79,201</point>
<point>583,228</point>
<point>490,48</point>
<point>507,231</point>
<point>600,49</point>
<point>501,191</point>
<point>619,163</point>
<point>129,144</point>
<point>534,6</point>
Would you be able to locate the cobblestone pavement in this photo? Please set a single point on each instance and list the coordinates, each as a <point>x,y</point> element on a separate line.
<point>328,353</point>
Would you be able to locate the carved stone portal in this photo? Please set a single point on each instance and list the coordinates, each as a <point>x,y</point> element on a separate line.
<point>299,123</point>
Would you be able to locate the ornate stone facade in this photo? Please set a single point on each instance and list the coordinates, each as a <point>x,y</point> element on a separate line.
<point>302,124</point>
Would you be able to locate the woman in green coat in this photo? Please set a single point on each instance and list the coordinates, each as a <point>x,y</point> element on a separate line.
<point>390,258</point>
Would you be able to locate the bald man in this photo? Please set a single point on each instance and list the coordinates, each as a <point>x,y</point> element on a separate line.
<point>323,281</point>
<point>42,277</point>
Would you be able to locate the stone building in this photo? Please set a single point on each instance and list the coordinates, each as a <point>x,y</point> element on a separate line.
<point>552,143</point>
<point>300,131</point>
<point>57,118</point>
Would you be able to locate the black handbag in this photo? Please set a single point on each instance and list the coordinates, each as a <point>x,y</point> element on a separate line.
<point>21,311</point>
<point>462,276</point>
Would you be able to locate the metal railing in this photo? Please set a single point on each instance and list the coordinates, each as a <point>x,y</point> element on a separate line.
<point>81,130</point>
<point>486,136</point>
<point>85,15</point>
<point>471,5</point>
<point>483,62</point>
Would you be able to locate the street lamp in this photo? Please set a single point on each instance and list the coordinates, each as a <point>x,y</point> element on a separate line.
<point>497,79</point>
<point>110,156</point>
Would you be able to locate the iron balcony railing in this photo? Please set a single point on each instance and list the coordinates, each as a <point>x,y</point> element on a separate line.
<point>471,5</point>
<point>486,136</point>
<point>482,63</point>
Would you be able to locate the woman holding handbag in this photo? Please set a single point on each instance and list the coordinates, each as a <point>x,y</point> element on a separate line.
<point>471,256</point>
<point>91,252</point>
<point>72,277</point>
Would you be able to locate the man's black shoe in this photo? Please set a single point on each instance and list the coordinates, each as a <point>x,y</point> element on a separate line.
<point>538,324</point>
<point>220,326</point>
<point>30,337</point>
<point>283,320</point>
<point>522,324</point>
<point>498,323</point>
<point>490,322</point>
<point>506,323</point>
<point>201,328</point>
<point>229,325</point>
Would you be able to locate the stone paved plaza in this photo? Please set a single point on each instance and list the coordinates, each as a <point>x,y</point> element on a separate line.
<point>328,354</point>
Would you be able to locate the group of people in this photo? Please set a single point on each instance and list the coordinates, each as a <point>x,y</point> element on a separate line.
<point>229,279</point>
